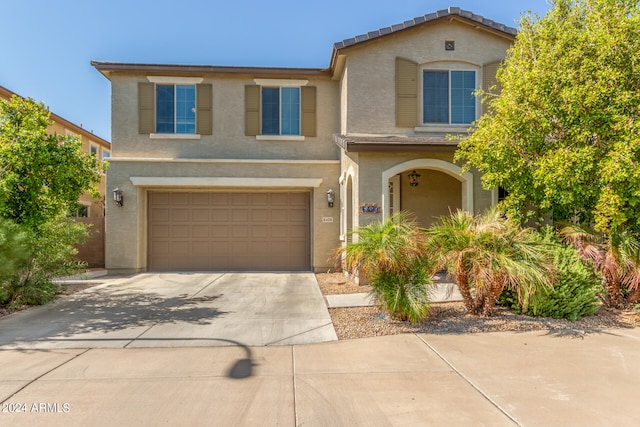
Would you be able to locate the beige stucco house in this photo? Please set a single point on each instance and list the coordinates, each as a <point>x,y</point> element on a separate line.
<point>254,168</point>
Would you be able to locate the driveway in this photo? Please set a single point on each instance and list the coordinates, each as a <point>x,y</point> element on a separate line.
<point>178,310</point>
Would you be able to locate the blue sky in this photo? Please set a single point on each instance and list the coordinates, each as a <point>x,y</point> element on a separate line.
<point>47,46</point>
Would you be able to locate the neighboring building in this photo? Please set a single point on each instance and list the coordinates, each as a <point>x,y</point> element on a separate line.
<point>90,210</point>
<point>231,168</point>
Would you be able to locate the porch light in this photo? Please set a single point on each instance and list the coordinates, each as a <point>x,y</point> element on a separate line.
<point>413,178</point>
<point>331,197</point>
<point>118,197</point>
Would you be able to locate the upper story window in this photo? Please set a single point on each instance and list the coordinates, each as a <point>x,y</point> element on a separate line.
<point>447,96</point>
<point>281,111</point>
<point>175,108</point>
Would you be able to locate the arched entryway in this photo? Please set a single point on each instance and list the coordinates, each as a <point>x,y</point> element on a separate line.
<point>441,187</point>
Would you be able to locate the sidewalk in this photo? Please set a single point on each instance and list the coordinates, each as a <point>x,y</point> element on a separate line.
<point>495,379</point>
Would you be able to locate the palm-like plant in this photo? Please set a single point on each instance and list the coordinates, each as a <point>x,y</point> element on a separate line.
<point>488,253</point>
<point>392,256</point>
<point>616,256</point>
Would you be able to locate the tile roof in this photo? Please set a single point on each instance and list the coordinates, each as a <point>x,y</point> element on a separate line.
<point>452,11</point>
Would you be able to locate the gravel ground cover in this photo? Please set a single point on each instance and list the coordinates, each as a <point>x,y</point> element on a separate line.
<point>451,318</point>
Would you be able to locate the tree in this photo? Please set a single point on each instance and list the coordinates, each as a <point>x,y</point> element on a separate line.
<point>392,254</point>
<point>563,137</point>
<point>41,178</point>
<point>41,175</point>
<point>615,256</point>
<point>487,254</point>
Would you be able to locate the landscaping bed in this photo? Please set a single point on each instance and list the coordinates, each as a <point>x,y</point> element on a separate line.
<point>451,318</point>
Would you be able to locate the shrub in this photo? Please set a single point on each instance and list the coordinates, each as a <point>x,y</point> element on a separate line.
<point>52,254</point>
<point>574,294</point>
<point>14,255</point>
<point>392,255</point>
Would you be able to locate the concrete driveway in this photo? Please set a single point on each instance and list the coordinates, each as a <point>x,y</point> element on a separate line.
<point>178,310</point>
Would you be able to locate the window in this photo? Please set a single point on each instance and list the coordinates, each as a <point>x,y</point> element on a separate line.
<point>175,108</point>
<point>448,97</point>
<point>94,150</point>
<point>171,107</point>
<point>281,111</point>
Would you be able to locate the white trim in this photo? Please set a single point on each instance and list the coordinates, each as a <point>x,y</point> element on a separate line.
<point>223,161</point>
<point>165,181</point>
<point>280,137</point>
<point>450,169</point>
<point>281,82</point>
<point>175,80</point>
<point>174,136</point>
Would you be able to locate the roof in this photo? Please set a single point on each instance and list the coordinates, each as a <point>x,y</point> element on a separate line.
<point>394,143</point>
<point>7,94</point>
<point>106,68</point>
<point>451,13</point>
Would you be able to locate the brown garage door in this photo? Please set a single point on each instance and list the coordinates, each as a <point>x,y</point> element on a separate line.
<point>229,231</point>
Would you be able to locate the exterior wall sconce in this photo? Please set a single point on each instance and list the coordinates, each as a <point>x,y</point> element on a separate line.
<point>331,197</point>
<point>118,197</point>
<point>413,178</point>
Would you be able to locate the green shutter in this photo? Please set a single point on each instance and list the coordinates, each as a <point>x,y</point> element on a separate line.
<point>406,93</point>
<point>252,110</point>
<point>146,108</point>
<point>204,119</point>
<point>490,84</point>
<point>308,125</point>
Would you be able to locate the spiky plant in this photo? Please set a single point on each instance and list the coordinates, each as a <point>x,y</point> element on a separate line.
<point>616,256</point>
<point>392,256</point>
<point>488,253</point>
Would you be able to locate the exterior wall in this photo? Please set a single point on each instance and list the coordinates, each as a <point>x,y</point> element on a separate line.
<point>228,140</point>
<point>435,195</point>
<point>372,66</point>
<point>127,225</point>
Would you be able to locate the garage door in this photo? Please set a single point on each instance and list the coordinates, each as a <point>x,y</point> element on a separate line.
<point>229,231</point>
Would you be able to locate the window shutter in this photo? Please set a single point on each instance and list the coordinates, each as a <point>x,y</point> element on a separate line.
<point>488,81</point>
<point>146,108</point>
<point>252,110</point>
<point>406,93</point>
<point>204,119</point>
<point>308,95</point>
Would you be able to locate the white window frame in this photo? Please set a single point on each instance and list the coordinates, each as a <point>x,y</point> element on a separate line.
<point>174,80</point>
<point>281,83</point>
<point>445,66</point>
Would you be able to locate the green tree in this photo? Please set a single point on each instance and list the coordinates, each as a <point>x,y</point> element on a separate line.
<point>487,254</point>
<point>41,175</point>
<point>563,137</point>
<point>392,255</point>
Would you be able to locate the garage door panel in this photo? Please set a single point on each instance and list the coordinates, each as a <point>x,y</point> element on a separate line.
<point>223,231</point>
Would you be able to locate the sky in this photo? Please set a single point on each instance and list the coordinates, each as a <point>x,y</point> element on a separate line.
<point>46,47</point>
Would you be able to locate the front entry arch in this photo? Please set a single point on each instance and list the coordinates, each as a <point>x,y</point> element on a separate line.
<point>466,180</point>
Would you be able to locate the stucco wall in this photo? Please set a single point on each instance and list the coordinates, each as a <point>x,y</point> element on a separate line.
<point>127,225</point>
<point>228,140</point>
<point>370,100</point>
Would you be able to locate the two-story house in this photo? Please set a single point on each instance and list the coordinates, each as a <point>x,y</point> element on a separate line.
<point>257,168</point>
<point>90,210</point>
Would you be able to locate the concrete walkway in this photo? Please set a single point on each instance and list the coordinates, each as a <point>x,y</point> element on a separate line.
<point>493,379</point>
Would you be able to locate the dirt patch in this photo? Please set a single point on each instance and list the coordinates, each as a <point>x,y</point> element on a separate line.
<point>452,318</point>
